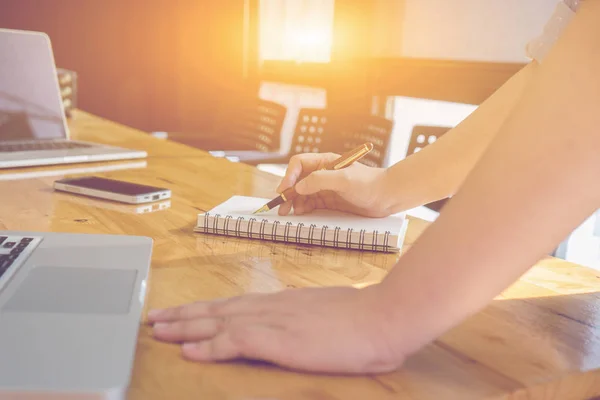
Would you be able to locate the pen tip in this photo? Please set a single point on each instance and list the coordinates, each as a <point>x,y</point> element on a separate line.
<point>262,209</point>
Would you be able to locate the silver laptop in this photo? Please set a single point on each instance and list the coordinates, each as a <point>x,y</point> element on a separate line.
<point>70,309</point>
<point>33,129</point>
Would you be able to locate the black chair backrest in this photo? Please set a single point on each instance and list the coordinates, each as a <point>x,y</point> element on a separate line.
<point>422,135</point>
<point>311,132</point>
<point>318,131</point>
<point>376,130</point>
<point>250,124</point>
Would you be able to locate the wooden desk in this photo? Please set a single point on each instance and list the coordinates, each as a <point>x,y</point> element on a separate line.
<point>539,340</point>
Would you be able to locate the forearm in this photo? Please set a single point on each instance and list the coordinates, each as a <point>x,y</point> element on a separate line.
<point>437,171</point>
<point>536,182</point>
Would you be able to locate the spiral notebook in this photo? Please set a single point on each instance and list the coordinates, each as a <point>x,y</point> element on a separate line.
<point>321,227</point>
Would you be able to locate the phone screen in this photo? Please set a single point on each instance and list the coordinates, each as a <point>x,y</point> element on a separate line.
<point>110,185</point>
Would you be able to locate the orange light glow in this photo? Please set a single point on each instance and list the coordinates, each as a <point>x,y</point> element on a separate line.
<point>309,45</point>
<point>296,30</point>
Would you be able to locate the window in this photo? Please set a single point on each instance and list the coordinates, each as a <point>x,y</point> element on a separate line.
<point>295,30</point>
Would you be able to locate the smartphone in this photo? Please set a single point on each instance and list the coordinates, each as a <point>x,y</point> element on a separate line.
<point>145,208</point>
<point>109,189</point>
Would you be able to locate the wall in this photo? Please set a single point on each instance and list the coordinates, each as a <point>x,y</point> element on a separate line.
<point>476,30</point>
<point>155,65</point>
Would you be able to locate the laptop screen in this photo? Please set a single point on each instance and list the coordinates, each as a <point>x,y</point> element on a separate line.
<point>30,103</point>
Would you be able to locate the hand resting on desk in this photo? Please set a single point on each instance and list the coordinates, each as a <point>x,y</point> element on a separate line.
<point>338,329</point>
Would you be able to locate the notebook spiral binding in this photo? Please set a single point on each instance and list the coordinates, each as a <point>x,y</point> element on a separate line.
<point>293,234</point>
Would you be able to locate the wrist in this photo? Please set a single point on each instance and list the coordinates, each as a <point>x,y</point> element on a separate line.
<point>402,330</point>
<point>401,191</point>
<point>389,327</point>
<point>405,186</point>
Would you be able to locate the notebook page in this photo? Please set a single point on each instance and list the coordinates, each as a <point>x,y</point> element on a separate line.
<point>242,206</point>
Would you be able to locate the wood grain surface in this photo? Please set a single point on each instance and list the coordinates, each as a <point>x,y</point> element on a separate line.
<point>539,340</point>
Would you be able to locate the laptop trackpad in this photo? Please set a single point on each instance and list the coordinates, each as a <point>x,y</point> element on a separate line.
<point>74,291</point>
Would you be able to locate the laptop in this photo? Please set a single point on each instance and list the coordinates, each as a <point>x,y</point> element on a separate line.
<point>33,129</point>
<point>70,309</point>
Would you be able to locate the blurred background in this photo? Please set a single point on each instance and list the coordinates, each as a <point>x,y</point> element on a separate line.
<point>168,65</point>
<point>259,80</point>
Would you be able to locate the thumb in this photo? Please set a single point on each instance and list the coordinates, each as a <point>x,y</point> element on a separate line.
<point>322,180</point>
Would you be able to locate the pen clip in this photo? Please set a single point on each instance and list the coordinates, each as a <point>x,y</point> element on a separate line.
<point>351,158</point>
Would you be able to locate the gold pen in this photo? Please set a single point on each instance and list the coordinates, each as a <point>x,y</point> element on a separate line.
<point>342,161</point>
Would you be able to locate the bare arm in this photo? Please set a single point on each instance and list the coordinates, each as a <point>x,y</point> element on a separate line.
<point>438,170</point>
<point>537,181</point>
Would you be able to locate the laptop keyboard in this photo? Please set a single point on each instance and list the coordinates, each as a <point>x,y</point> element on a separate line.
<point>41,145</point>
<point>14,250</point>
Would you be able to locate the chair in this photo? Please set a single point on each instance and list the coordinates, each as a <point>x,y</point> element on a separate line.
<point>421,136</point>
<point>311,135</point>
<point>312,132</point>
<point>318,131</point>
<point>246,124</point>
<point>376,130</point>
